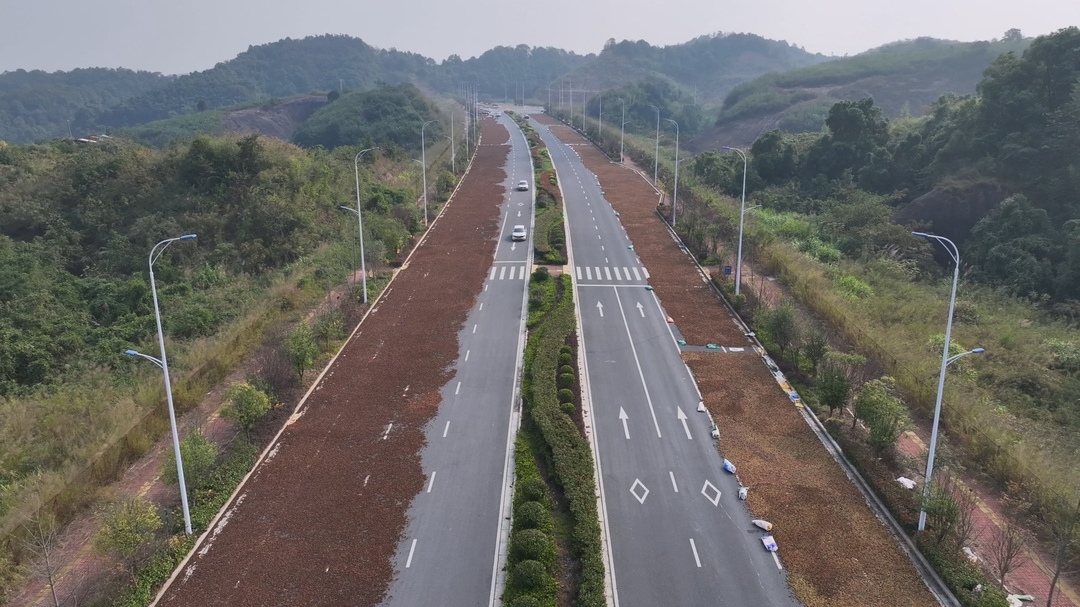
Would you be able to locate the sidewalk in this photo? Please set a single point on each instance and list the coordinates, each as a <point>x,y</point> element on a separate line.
<point>1033,571</point>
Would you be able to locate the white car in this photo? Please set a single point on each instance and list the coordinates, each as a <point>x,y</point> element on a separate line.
<point>518,234</point>
<point>523,186</point>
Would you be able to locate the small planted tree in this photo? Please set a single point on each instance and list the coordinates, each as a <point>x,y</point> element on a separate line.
<point>127,528</point>
<point>1007,543</point>
<point>883,412</point>
<point>302,349</point>
<point>833,385</point>
<point>246,406</point>
<point>199,455</point>
<point>43,541</point>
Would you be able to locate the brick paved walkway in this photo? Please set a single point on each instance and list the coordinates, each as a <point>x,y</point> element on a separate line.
<point>1034,570</point>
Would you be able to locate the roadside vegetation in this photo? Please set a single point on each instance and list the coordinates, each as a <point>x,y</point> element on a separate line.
<point>550,391</point>
<point>78,222</point>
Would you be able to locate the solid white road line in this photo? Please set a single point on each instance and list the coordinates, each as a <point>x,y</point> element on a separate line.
<point>777,559</point>
<point>432,481</point>
<point>493,270</point>
<point>502,272</point>
<point>627,272</point>
<point>636,275</point>
<point>408,562</point>
<point>617,277</point>
<point>637,362</point>
<point>579,272</point>
<point>693,547</point>
<point>607,272</point>
<point>674,485</point>
<point>588,273</point>
<point>387,433</point>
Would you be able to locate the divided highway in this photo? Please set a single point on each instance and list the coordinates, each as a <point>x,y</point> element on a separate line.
<point>678,533</point>
<point>453,552</point>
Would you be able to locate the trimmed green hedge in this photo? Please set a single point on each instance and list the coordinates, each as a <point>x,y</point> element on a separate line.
<point>571,455</point>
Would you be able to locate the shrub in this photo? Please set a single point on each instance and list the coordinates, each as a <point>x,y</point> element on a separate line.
<point>566,358</point>
<point>566,350</point>
<point>247,405</point>
<point>301,348</point>
<point>566,395</point>
<point>526,600</point>
<point>533,545</point>
<point>566,380</point>
<point>532,515</point>
<point>566,369</point>
<point>127,527</point>
<point>531,576</point>
<point>531,489</point>
<point>568,408</point>
<point>541,274</point>
<point>199,455</point>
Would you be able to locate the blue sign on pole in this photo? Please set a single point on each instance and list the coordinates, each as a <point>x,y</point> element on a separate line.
<point>727,270</point>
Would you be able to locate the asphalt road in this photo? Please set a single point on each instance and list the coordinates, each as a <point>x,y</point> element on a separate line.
<point>678,533</point>
<point>453,552</point>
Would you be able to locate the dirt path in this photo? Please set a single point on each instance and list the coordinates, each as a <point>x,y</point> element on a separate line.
<point>319,521</point>
<point>836,551</point>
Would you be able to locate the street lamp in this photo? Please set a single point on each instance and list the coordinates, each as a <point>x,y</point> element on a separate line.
<point>950,248</point>
<point>656,154</point>
<point>742,213</point>
<point>600,131</point>
<point>622,129</point>
<point>675,190</point>
<point>163,362</point>
<point>423,161</point>
<point>359,218</point>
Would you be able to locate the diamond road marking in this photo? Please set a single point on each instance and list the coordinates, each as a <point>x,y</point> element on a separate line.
<point>644,491</point>
<point>705,491</point>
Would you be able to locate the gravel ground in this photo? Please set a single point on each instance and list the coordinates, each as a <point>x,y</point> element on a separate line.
<point>836,551</point>
<point>320,520</point>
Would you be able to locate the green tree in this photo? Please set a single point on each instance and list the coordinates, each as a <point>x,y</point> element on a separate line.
<point>127,527</point>
<point>301,348</point>
<point>781,326</point>
<point>834,381</point>
<point>199,455</point>
<point>883,412</point>
<point>246,406</point>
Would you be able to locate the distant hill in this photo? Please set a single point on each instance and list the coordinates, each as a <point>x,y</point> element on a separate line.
<point>707,67</point>
<point>904,78</point>
<point>38,105</point>
<point>279,69</point>
<point>278,118</point>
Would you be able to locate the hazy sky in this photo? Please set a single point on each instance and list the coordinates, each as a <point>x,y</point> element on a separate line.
<point>179,36</point>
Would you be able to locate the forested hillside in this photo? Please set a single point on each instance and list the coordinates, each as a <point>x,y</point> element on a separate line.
<point>388,113</point>
<point>904,78</point>
<point>38,105</point>
<point>707,67</point>
<point>1003,169</point>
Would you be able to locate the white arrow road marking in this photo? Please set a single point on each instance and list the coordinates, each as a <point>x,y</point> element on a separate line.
<point>682,418</point>
<point>640,308</point>
<point>513,246</point>
<point>693,547</point>
<point>519,213</point>
<point>705,491</point>
<point>644,493</point>
<point>623,416</point>
<point>600,307</point>
<point>673,485</point>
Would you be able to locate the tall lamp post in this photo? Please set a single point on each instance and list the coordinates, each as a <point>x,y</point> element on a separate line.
<point>423,161</point>
<point>675,191</point>
<point>656,154</point>
<point>742,214</point>
<point>950,248</point>
<point>163,362</point>
<point>600,119</point>
<point>622,129</point>
<point>359,218</point>
<point>453,160</point>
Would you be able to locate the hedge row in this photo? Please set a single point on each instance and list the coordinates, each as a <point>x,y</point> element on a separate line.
<point>571,456</point>
<point>531,539</point>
